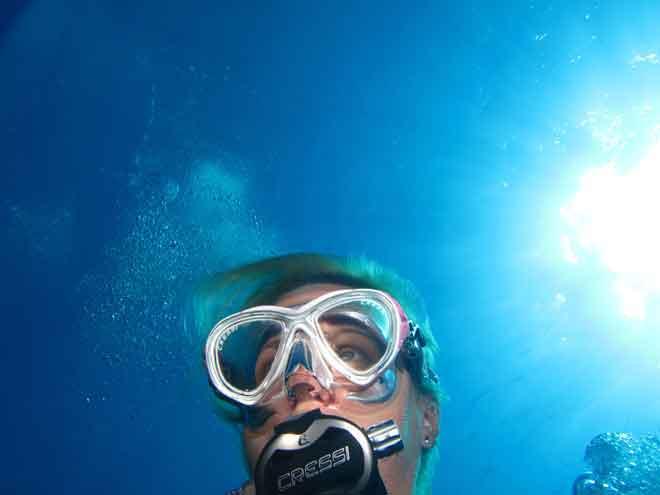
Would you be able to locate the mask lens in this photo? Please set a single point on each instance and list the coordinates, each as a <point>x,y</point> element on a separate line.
<point>359,332</point>
<point>246,352</point>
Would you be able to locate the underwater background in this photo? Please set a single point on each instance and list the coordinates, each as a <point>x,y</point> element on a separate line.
<point>501,155</point>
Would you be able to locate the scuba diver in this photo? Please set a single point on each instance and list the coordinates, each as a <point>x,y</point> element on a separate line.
<point>325,363</point>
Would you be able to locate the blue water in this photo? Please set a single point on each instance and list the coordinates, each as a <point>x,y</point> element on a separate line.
<point>146,144</point>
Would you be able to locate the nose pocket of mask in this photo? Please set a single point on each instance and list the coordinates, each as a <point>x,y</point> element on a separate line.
<point>300,355</point>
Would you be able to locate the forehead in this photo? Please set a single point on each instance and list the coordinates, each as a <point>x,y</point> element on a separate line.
<point>306,293</point>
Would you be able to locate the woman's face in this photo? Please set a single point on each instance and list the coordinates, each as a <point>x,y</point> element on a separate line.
<point>415,415</point>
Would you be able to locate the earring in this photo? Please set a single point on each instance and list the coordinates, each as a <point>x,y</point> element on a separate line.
<point>427,442</point>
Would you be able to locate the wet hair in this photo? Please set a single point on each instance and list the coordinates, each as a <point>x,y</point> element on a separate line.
<point>264,281</point>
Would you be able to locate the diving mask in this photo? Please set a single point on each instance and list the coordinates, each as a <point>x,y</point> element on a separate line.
<point>343,338</point>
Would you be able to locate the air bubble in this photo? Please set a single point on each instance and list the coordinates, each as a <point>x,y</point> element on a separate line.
<point>170,191</point>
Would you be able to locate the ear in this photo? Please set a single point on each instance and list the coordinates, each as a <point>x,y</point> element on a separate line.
<point>430,421</point>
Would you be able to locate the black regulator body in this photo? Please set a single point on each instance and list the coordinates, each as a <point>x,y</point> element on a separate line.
<point>318,454</point>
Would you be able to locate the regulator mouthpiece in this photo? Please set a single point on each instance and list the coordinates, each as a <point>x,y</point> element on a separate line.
<point>318,454</point>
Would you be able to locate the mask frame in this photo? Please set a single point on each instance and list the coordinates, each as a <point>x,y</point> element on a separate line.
<point>302,323</point>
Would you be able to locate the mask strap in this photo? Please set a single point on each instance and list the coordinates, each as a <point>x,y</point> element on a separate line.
<point>412,350</point>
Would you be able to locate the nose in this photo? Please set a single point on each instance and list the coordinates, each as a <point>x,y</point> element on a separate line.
<point>303,386</point>
<point>299,379</point>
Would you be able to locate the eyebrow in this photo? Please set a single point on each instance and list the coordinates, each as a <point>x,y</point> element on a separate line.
<point>361,328</point>
<point>344,318</point>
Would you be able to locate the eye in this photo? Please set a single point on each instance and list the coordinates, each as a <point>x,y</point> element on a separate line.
<point>349,354</point>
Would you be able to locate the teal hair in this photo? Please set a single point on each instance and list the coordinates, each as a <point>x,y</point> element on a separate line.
<point>264,281</point>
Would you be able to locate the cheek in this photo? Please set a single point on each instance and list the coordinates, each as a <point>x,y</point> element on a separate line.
<point>406,413</point>
<point>254,440</point>
<point>253,444</point>
<point>399,470</point>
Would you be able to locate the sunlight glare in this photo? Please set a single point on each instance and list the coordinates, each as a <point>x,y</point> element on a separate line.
<point>615,216</point>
